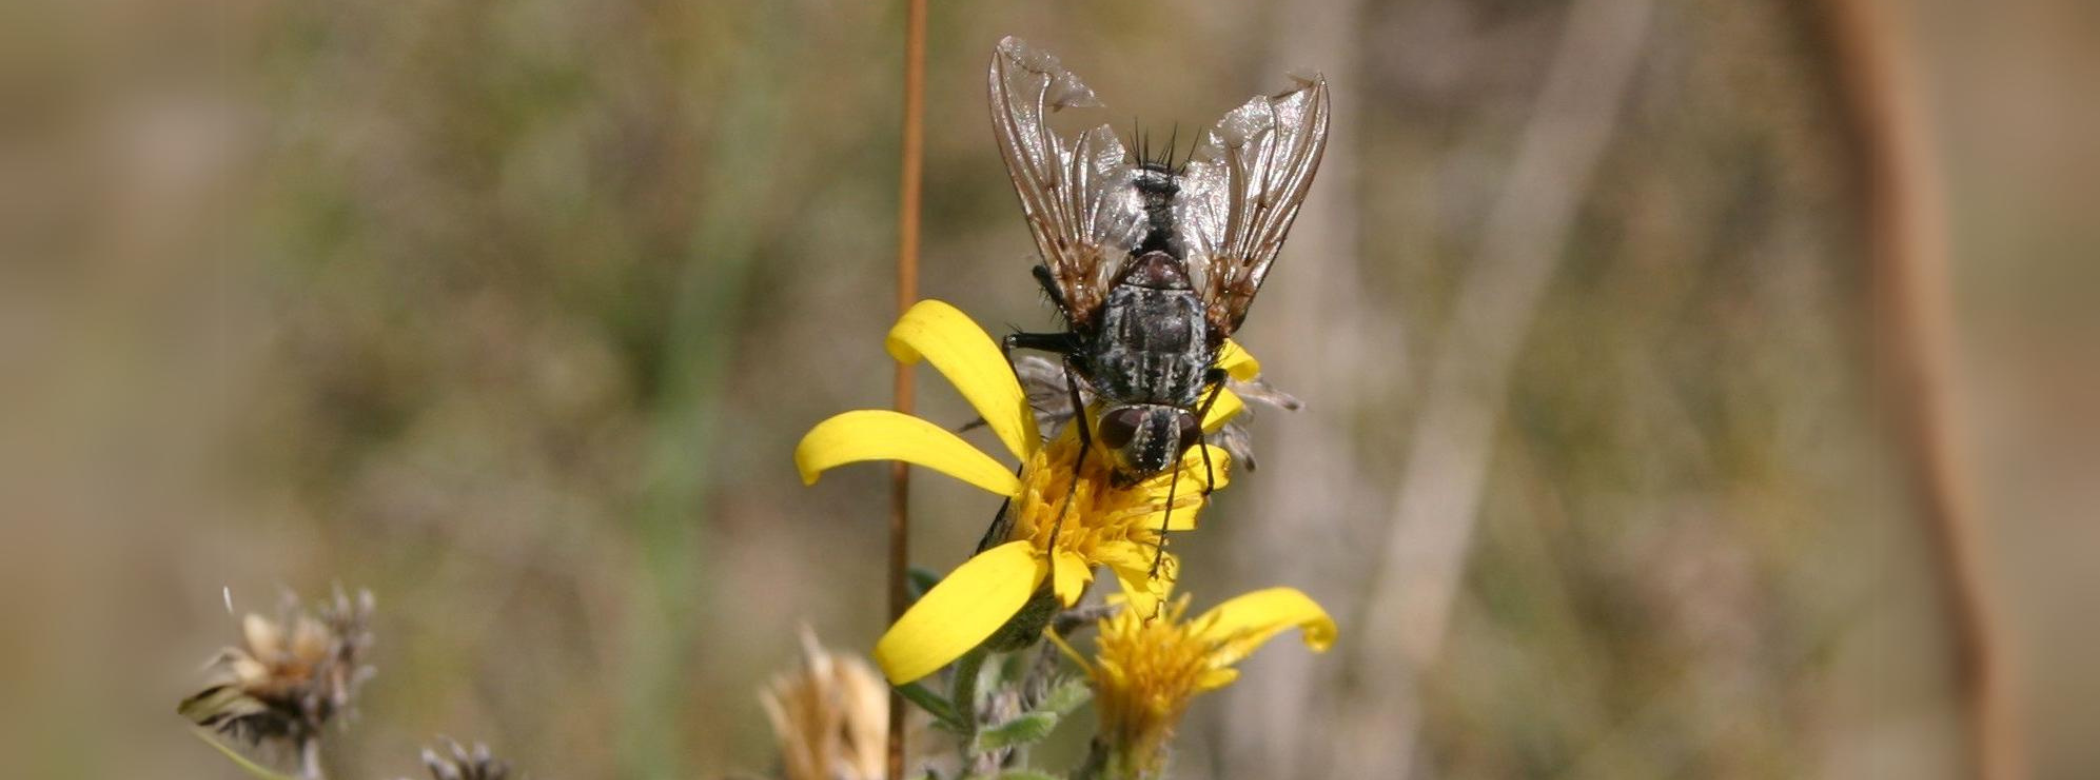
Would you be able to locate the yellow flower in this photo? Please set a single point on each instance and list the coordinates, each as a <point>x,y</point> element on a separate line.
<point>1105,524</point>
<point>1147,668</point>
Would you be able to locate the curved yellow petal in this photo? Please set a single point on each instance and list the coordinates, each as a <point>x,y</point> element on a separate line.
<point>878,434</point>
<point>1070,576</point>
<point>1187,509</point>
<point>1222,410</point>
<point>1193,475</point>
<point>944,336</point>
<point>962,611</point>
<point>1123,554</point>
<point>1213,679</point>
<point>1242,624</point>
<point>1143,592</point>
<point>1237,362</point>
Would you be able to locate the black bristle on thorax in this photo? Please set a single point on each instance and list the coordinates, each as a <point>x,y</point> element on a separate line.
<point>1158,182</point>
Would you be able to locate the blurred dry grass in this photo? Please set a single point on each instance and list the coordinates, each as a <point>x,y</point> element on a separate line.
<point>513,311</point>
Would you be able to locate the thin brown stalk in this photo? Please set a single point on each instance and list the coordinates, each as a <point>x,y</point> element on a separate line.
<point>909,189</point>
<point>1904,197</point>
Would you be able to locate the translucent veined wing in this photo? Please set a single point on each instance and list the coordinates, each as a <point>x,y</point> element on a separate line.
<point>1240,192</point>
<point>1076,194</point>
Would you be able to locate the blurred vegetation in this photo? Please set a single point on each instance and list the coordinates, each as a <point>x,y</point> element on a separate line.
<point>513,311</point>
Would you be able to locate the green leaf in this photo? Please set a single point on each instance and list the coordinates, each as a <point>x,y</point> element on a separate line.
<point>933,704</point>
<point>1025,730</point>
<point>1066,697</point>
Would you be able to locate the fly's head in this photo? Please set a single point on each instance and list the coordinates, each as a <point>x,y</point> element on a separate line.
<point>1146,439</point>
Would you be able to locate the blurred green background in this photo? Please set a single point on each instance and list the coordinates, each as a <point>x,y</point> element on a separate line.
<point>513,311</point>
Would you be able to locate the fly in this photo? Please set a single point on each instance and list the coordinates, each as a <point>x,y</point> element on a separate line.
<point>1152,266</point>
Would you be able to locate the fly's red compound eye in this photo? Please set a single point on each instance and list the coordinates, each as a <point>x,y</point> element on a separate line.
<point>1119,426</point>
<point>1191,431</point>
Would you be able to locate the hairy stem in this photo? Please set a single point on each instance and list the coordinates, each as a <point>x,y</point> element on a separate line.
<point>962,691</point>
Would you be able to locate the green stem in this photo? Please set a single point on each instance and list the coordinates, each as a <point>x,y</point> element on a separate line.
<point>1096,762</point>
<point>962,691</point>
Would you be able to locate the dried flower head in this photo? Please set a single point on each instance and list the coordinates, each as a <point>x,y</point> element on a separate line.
<point>290,676</point>
<point>451,761</point>
<point>830,716</point>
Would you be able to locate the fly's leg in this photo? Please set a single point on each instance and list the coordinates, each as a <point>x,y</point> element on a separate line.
<point>1064,344</point>
<point>1048,282</point>
<point>1057,343</point>
<point>1216,378</point>
<point>1086,444</point>
<point>1002,524</point>
<point>1159,549</point>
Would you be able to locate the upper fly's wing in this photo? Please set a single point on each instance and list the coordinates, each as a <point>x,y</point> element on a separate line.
<point>1076,194</point>
<point>1240,192</point>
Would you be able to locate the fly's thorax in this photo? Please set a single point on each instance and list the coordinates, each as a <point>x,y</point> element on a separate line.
<point>1158,189</point>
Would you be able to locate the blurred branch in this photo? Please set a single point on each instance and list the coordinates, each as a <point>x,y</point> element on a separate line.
<point>1276,723</point>
<point>716,261</point>
<point>909,190</point>
<point>1905,212</point>
<point>1439,492</point>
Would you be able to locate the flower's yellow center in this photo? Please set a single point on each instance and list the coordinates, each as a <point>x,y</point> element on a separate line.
<point>1146,671</point>
<point>1099,512</point>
